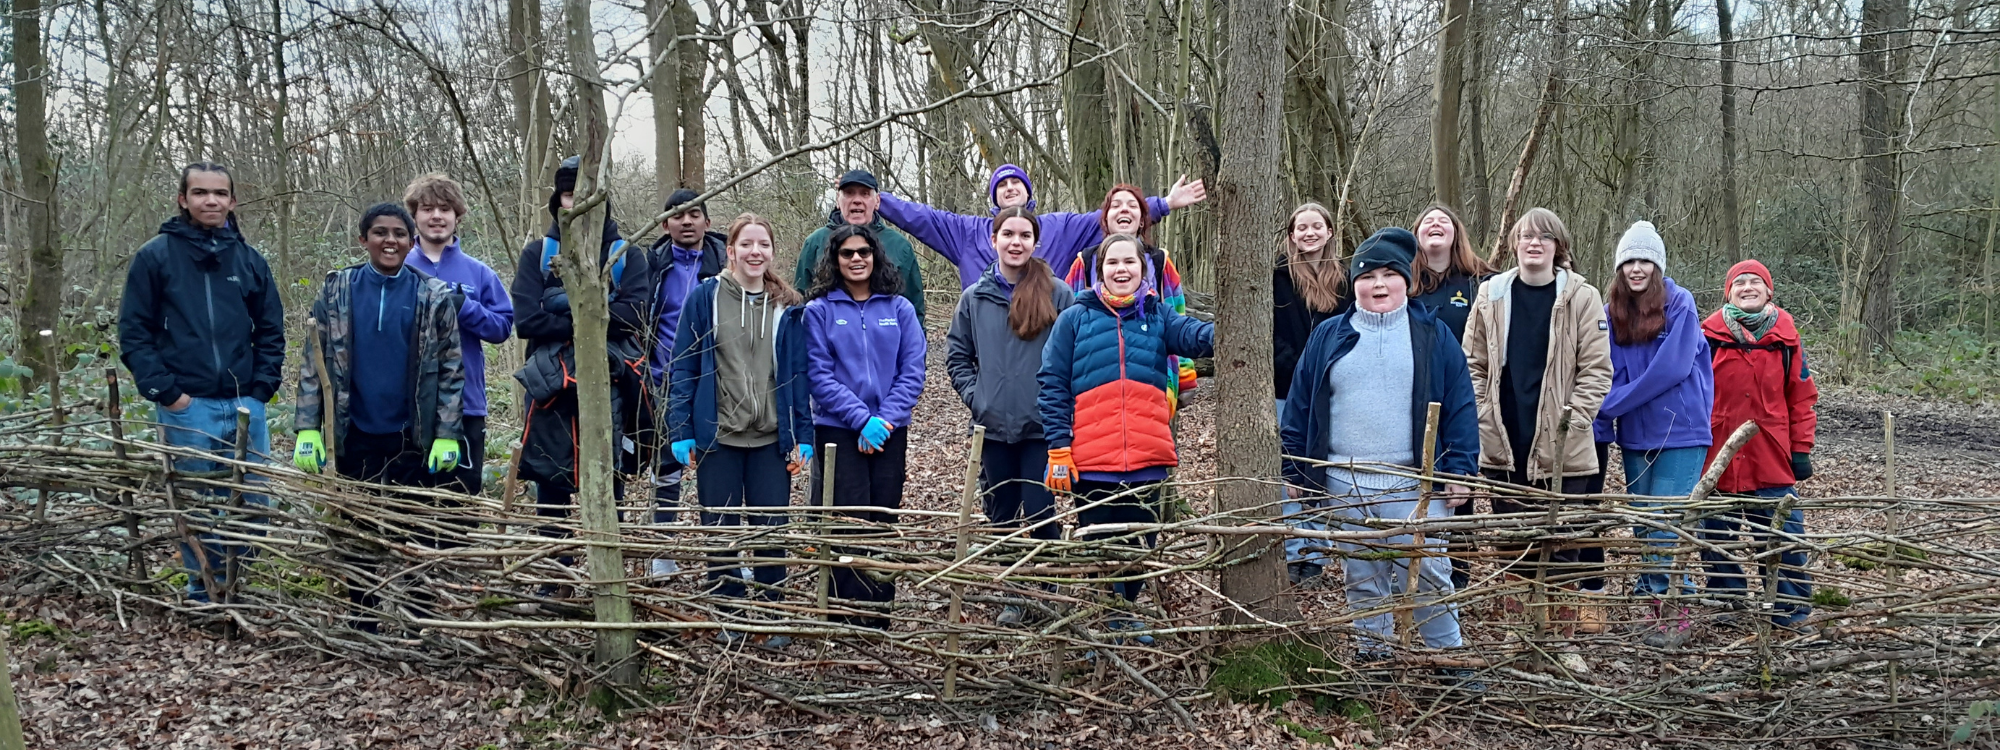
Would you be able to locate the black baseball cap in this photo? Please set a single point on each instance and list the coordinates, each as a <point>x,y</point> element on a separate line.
<point>857,177</point>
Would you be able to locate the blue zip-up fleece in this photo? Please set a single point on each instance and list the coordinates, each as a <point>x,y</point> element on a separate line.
<point>867,359</point>
<point>691,406</point>
<point>201,316</point>
<point>676,271</point>
<point>1662,390</point>
<point>1439,375</point>
<point>486,316</point>
<point>385,312</point>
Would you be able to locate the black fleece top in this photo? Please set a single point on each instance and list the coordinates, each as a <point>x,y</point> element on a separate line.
<point>1292,324</point>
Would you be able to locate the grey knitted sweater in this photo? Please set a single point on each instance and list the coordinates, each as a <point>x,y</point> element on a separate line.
<point>1369,413</point>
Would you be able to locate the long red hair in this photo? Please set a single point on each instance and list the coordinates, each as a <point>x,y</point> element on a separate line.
<point>1145,232</point>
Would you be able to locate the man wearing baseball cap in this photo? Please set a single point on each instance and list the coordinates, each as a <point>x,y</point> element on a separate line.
<point>856,204</point>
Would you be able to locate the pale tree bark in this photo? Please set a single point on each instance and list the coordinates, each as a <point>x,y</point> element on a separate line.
<point>532,119</point>
<point>584,276</point>
<point>665,87</point>
<point>1881,61</point>
<point>1732,230</point>
<point>1445,92</point>
<point>1247,199</point>
<point>42,305</point>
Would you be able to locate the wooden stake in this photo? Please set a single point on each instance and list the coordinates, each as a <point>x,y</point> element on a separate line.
<point>1406,616</point>
<point>825,520</point>
<point>10,709</point>
<point>1541,596</point>
<point>970,495</point>
<point>231,554</point>
<point>326,395</point>
<point>116,411</point>
<point>1894,525</point>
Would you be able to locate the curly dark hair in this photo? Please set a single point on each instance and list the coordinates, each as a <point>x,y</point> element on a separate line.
<point>886,278</point>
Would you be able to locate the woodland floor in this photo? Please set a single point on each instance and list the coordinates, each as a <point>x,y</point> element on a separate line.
<point>89,676</point>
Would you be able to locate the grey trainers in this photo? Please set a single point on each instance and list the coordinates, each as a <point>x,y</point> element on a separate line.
<point>1012,616</point>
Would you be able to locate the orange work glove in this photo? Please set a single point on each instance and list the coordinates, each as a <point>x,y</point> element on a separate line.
<point>1062,470</point>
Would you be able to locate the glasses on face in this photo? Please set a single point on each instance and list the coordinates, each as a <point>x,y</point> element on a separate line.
<point>856,252</point>
<point>1542,237</point>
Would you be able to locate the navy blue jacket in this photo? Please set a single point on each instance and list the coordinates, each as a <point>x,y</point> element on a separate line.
<point>1439,374</point>
<point>691,390</point>
<point>201,316</point>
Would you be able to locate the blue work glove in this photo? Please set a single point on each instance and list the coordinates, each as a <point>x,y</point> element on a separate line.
<point>874,434</point>
<point>804,458</point>
<point>310,455</point>
<point>684,452</point>
<point>444,455</point>
<point>555,300</point>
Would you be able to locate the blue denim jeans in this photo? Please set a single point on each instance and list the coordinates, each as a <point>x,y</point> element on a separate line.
<point>1296,515</point>
<point>1670,472</point>
<point>209,425</point>
<point>1725,577</point>
<point>1371,581</point>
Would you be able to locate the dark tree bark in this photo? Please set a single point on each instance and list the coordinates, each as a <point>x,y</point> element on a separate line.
<point>42,305</point>
<point>1881,62</point>
<point>693,100</point>
<point>665,86</point>
<point>1732,231</point>
<point>531,103</point>
<point>1445,92</point>
<point>1086,107</point>
<point>1247,200</point>
<point>1481,184</point>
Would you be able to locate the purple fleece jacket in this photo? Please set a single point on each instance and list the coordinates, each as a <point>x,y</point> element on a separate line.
<point>1662,390</point>
<point>866,359</point>
<point>675,283</point>
<point>967,240</point>
<point>487,315</point>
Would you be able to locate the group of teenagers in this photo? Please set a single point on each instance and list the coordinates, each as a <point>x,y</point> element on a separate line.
<point>1068,345</point>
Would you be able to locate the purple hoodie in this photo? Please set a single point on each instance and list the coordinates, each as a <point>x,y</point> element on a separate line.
<point>1661,390</point>
<point>967,241</point>
<point>488,313</point>
<point>675,283</point>
<point>866,359</point>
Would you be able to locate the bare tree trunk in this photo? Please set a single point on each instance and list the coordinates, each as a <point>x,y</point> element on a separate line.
<point>694,100</point>
<point>584,276</point>
<point>43,304</point>
<point>1881,206</point>
<point>1732,230</point>
<point>1475,134</point>
<point>532,119</point>
<point>1543,111</point>
<point>1247,196</point>
<point>665,86</point>
<point>1445,90</point>
<point>281,147</point>
<point>1086,107</point>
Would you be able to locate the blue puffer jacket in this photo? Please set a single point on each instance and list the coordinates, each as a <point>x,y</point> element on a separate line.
<point>1440,375</point>
<point>691,391</point>
<point>1104,381</point>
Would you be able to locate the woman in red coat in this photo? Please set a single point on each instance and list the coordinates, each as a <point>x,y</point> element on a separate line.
<point>1761,376</point>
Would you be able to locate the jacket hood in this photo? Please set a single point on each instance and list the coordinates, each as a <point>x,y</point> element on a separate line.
<point>1504,281</point>
<point>199,238</point>
<point>1785,330</point>
<point>1003,172</point>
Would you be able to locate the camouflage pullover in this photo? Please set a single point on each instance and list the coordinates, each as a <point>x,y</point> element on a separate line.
<point>436,367</point>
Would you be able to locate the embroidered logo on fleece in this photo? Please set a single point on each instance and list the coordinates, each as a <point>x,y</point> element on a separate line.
<point>1458,299</point>
<point>885,322</point>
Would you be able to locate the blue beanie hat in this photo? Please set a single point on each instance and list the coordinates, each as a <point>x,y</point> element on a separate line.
<point>1003,172</point>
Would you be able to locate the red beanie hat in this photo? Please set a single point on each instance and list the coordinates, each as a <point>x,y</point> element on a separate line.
<point>1748,266</point>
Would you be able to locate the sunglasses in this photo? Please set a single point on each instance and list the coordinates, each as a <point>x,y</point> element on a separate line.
<point>851,252</point>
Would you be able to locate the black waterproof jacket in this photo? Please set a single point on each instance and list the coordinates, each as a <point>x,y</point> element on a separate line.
<point>201,316</point>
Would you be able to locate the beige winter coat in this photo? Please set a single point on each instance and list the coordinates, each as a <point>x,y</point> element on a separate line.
<point>1578,374</point>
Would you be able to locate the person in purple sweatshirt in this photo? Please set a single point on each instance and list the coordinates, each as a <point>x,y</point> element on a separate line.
<point>686,254</point>
<point>1662,390</point>
<point>865,348</point>
<point>438,203</point>
<point>967,240</point>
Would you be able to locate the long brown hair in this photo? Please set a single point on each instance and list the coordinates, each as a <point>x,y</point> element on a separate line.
<point>1463,259</point>
<point>1032,309</point>
<point>1145,232</point>
<point>1638,318</point>
<point>774,284</point>
<point>1321,281</point>
<point>1544,221</point>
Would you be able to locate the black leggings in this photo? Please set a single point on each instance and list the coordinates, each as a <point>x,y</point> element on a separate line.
<point>393,460</point>
<point>1011,475</point>
<point>862,479</point>
<point>1142,506</point>
<point>1566,561</point>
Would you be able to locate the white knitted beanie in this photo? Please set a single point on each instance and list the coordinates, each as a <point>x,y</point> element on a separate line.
<point>1642,242</point>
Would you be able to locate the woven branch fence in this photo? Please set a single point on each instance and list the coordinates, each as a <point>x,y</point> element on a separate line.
<point>1904,638</point>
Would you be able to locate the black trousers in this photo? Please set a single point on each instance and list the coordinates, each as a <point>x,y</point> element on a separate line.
<point>729,478</point>
<point>1142,506</point>
<point>391,459</point>
<point>1567,561</point>
<point>1011,476</point>
<point>861,479</point>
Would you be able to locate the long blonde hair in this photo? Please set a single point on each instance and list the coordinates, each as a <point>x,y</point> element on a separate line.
<point>774,284</point>
<point>1321,281</point>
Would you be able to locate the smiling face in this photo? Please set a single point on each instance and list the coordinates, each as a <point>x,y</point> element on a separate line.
<point>1637,274</point>
<point>857,261</point>
<point>858,204</point>
<point>436,223</point>
<point>1010,192</point>
<point>1309,233</point>
<point>1749,293</point>
<point>750,254</point>
<point>388,243</point>
<point>687,228</point>
<point>1125,214</point>
<point>1381,290</point>
<point>1014,242</point>
<point>208,199</point>
<point>1435,234</point>
<point>1121,270</point>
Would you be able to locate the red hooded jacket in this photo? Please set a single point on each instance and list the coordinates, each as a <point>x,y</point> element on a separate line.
<point>1767,382</point>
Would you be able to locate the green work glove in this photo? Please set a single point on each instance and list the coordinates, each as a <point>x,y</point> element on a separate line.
<point>444,455</point>
<point>310,455</point>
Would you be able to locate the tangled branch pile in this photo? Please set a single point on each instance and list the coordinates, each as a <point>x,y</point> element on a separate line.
<point>1907,600</point>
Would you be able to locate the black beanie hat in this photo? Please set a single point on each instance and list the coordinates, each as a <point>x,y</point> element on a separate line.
<point>565,182</point>
<point>1393,248</point>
